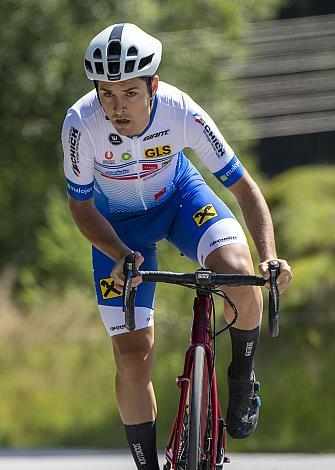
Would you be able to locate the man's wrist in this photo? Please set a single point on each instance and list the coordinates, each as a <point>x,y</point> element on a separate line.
<point>123,254</point>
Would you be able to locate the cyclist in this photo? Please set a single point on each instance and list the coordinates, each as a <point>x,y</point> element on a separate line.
<point>129,186</point>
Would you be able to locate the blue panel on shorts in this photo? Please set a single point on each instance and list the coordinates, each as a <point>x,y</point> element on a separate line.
<point>81,192</point>
<point>182,219</point>
<point>231,173</point>
<point>200,210</point>
<point>106,293</point>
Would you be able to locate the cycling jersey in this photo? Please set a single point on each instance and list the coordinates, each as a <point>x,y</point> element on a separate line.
<point>131,174</point>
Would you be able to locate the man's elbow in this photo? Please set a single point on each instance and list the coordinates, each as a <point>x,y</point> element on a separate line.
<point>77,208</point>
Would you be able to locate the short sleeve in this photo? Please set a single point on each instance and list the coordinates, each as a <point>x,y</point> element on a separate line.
<point>79,154</point>
<point>203,136</point>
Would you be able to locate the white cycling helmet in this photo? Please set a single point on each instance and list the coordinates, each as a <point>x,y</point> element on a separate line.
<point>121,52</point>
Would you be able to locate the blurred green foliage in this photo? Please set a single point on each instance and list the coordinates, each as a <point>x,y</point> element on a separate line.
<point>43,44</point>
<point>302,207</point>
<point>57,375</point>
<point>56,361</point>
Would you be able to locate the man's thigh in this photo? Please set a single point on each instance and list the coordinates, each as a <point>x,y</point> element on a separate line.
<point>110,300</point>
<point>203,224</point>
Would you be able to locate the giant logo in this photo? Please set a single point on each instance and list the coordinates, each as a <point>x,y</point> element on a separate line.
<point>157,152</point>
<point>158,134</point>
<point>74,138</point>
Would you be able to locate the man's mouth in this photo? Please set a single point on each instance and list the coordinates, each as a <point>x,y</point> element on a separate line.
<point>121,121</point>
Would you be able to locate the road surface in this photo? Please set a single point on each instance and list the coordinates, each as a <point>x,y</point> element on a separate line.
<point>119,460</point>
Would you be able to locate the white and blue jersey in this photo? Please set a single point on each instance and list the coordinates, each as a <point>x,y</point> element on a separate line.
<point>131,174</point>
<point>148,190</point>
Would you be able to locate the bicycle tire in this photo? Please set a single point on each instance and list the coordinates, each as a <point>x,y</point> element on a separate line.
<point>199,408</point>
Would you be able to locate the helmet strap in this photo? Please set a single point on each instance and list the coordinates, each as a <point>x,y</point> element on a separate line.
<point>96,84</point>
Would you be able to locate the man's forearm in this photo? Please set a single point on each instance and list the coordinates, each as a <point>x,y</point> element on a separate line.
<point>99,231</point>
<point>258,220</point>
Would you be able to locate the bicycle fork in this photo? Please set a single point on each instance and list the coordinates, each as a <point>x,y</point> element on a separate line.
<point>200,334</point>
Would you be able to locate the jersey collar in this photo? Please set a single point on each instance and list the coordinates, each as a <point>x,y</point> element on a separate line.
<point>153,112</point>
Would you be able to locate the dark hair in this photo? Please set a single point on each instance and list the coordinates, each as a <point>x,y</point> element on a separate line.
<point>148,81</point>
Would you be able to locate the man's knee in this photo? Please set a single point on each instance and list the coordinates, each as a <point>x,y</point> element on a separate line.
<point>236,259</point>
<point>133,354</point>
<point>230,259</point>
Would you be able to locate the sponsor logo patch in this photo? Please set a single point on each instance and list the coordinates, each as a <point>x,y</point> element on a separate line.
<point>160,194</point>
<point>117,327</point>
<point>248,349</point>
<point>74,138</point>
<point>231,173</point>
<point>139,454</point>
<point>158,134</point>
<point>126,156</point>
<point>108,290</point>
<point>157,152</point>
<point>149,166</point>
<point>115,139</point>
<point>204,214</point>
<point>121,172</point>
<point>215,141</point>
<point>109,155</point>
<point>224,239</point>
<point>78,189</point>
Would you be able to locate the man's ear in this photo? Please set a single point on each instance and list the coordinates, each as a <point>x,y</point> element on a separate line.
<point>154,84</point>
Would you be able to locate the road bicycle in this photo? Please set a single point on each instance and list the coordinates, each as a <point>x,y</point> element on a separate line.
<point>198,438</point>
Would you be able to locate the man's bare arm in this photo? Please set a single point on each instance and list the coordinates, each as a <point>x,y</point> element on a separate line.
<point>259,223</point>
<point>97,229</point>
<point>256,215</point>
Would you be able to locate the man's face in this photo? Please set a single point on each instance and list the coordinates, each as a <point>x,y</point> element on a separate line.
<point>127,104</point>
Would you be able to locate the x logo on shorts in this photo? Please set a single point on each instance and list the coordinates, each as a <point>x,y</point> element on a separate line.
<point>205,213</point>
<point>108,290</point>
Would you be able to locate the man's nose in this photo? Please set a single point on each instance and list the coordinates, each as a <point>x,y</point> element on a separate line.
<point>119,105</point>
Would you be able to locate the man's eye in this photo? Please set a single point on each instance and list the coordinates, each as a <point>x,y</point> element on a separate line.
<point>108,94</point>
<point>131,93</point>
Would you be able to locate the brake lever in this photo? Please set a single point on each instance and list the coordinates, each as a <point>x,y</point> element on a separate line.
<point>273,298</point>
<point>128,295</point>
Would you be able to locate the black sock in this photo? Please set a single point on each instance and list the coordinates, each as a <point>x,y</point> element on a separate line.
<point>142,443</point>
<point>243,343</point>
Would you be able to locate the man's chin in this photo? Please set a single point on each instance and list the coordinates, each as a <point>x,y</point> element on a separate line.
<point>124,129</point>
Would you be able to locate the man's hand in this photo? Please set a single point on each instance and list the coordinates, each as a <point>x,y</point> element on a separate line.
<point>117,272</point>
<point>285,274</point>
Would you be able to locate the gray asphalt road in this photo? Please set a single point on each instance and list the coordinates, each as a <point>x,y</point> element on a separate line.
<point>90,460</point>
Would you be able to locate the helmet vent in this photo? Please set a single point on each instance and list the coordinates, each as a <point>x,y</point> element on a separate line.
<point>145,61</point>
<point>99,68</point>
<point>88,66</point>
<point>113,67</point>
<point>129,67</point>
<point>114,50</point>
<point>132,51</point>
<point>97,54</point>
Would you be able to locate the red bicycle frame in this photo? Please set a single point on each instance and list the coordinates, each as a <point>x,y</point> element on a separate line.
<point>200,334</point>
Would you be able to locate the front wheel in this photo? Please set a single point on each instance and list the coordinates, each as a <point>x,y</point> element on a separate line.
<point>199,452</point>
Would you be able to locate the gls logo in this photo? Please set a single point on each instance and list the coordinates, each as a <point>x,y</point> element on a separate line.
<point>156,152</point>
<point>115,139</point>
